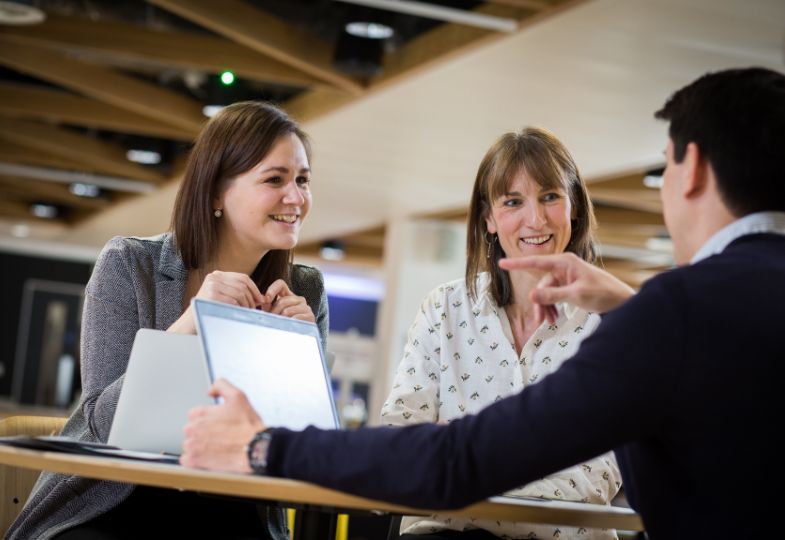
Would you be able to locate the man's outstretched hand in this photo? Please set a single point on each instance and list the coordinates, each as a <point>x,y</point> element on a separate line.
<point>569,278</point>
<point>217,436</point>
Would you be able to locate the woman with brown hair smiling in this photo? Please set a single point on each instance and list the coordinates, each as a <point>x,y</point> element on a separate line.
<point>477,340</point>
<point>237,217</point>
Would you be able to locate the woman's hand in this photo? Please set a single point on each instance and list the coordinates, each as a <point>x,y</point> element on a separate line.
<point>279,300</point>
<point>231,288</point>
<point>228,287</point>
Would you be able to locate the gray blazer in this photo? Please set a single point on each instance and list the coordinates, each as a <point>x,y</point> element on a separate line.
<point>136,283</point>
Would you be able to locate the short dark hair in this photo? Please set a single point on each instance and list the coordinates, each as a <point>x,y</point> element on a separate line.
<point>736,118</point>
<point>231,143</point>
<point>546,160</point>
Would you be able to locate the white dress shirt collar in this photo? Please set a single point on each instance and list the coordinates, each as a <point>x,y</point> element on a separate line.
<point>757,223</point>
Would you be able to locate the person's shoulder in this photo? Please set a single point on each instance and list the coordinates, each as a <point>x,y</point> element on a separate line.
<point>664,297</point>
<point>137,255</point>
<point>447,296</point>
<point>304,272</point>
<point>307,280</point>
<point>449,290</point>
<point>132,245</point>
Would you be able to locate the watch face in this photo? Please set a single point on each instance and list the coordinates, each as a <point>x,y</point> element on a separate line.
<point>257,452</point>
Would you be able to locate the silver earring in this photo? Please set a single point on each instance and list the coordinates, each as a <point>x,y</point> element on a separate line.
<point>218,213</point>
<point>490,242</point>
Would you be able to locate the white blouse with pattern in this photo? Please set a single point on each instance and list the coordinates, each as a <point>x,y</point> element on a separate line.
<point>460,357</point>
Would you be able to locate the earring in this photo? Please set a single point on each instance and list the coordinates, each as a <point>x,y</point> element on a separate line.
<point>218,212</point>
<point>490,243</point>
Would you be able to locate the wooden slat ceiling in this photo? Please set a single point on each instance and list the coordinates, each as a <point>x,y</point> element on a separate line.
<point>79,89</point>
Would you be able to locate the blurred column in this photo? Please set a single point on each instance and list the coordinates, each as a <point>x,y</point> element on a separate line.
<point>418,256</point>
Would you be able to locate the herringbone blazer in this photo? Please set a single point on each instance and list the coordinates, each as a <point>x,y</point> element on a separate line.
<point>136,283</point>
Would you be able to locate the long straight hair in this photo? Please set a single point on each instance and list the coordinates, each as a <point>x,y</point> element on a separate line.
<point>231,143</point>
<point>545,160</point>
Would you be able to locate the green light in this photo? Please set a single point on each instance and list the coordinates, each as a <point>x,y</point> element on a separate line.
<point>227,77</point>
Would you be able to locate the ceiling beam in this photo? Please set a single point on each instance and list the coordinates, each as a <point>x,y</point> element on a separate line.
<point>611,215</point>
<point>644,200</point>
<point>257,30</point>
<point>20,210</point>
<point>449,40</point>
<point>441,13</point>
<point>104,84</point>
<point>425,51</point>
<point>33,102</point>
<point>125,44</point>
<point>317,102</point>
<point>16,153</point>
<point>96,155</point>
<point>534,5</point>
<point>622,238</point>
<point>37,190</point>
<point>633,180</point>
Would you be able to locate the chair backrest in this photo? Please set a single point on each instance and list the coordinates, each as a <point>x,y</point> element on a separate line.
<point>16,483</point>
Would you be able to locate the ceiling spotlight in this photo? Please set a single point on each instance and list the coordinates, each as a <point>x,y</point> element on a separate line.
<point>440,13</point>
<point>369,30</point>
<point>227,78</point>
<point>80,189</point>
<point>44,211</point>
<point>332,250</point>
<point>16,14</point>
<point>653,178</point>
<point>145,157</point>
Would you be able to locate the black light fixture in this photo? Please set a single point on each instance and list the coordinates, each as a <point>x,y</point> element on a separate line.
<point>653,178</point>
<point>221,90</point>
<point>149,151</point>
<point>44,210</point>
<point>84,189</point>
<point>332,250</point>
<point>361,44</point>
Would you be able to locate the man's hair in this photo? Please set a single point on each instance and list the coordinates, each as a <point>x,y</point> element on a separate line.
<point>737,119</point>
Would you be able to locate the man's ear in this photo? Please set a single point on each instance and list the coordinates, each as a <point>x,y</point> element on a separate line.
<point>695,170</point>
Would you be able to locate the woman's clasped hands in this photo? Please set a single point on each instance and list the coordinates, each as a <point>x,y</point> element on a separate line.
<point>239,289</point>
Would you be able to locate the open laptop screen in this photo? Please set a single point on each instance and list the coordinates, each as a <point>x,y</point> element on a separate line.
<point>276,361</point>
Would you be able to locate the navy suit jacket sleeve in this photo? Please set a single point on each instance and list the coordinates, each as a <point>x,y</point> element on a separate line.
<point>619,387</point>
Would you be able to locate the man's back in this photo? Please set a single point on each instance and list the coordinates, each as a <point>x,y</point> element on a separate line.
<point>681,380</point>
<point>712,466</point>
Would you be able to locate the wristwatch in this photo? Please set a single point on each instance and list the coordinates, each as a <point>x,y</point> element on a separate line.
<point>257,451</point>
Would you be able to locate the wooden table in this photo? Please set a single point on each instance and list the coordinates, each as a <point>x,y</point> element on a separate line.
<point>309,496</point>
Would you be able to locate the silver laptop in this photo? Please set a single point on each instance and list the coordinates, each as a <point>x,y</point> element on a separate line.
<point>165,378</point>
<point>277,361</point>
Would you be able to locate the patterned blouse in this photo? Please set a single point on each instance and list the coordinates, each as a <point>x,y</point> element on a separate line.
<point>459,357</point>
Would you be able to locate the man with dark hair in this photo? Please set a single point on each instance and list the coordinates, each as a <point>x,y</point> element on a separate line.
<point>735,118</point>
<point>683,379</point>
